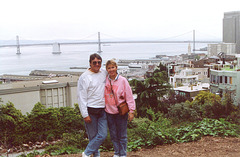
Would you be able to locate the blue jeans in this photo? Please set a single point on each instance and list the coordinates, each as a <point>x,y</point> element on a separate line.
<point>97,133</point>
<point>118,132</point>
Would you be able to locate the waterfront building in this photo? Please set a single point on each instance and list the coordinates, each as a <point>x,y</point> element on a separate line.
<point>51,92</point>
<point>227,48</point>
<point>193,56</point>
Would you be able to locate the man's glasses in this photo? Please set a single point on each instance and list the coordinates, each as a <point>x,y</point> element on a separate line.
<point>96,62</point>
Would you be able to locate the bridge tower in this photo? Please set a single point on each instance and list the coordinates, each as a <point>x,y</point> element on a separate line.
<point>189,49</point>
<point>99,43</point>
<point>56,48</point>
<point>18,46</point>
<point>194,41</point>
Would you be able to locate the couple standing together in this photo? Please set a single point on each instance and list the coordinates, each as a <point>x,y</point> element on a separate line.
<point>99,93</point>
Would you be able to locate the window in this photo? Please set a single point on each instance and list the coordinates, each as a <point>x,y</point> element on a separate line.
<point>221,79</point>
<point>226,79</point>
<point>230,80</point>
<point>55,97</point>
<point>214,79</point>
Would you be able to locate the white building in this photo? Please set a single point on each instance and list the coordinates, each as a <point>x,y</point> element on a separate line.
<point>51,92</point>
<point>191,91</point>
<point>185,77</point>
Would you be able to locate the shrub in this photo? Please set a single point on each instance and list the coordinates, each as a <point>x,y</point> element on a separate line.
<point>10,119</point>
<point>149,133</point>
<point>71,143</point>
<point>183,112</point>
<point>206,127</point>
<point>51,123</point>
<point>41,124</point>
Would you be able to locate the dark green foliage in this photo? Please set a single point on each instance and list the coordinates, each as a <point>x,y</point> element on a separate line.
<point>173,98</point>
<point>209,105</point>
<point>149,133</point>
<point>206,127</point>
<point>51,123</point>
<point>71,143</point>
<point>168,101</point>
<point>149,92</point>
<point>159,122</point>
<point>44,121</point>
<point>41,124</point>
<point>234,117</point>
<point>162,68</point>
<point>10,118</point>
<point>183,112</point>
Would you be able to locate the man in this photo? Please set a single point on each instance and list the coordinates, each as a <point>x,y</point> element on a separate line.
<point>91,100</point>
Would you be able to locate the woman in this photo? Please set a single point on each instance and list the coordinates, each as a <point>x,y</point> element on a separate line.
<point>118,90</point>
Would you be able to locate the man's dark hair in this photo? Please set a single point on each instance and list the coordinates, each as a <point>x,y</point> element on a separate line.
<point>93,56</point>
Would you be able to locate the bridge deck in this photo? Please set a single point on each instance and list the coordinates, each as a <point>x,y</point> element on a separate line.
<point>106,42</point>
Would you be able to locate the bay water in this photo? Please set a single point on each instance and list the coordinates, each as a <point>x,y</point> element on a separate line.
<point>41,57</point>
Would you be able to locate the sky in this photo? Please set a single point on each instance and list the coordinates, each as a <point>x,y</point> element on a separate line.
<point>114,19</point>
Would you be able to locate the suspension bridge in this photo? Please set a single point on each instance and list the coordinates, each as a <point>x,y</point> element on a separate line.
<point>56,45</point>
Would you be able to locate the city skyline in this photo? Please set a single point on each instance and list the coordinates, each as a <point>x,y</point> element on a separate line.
<point>119,20</point>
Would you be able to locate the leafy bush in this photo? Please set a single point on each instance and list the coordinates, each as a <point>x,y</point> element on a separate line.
<point>154,129</point>
<point>10,120</point>
<point>214,107</point>
<point>206,127</point>
<point>149,133</point>
<point>41,124</point>
<point>183,112</point>
<point>234,117</point>
<point>146,133</point>
<point>71,143</point>
<point>51,123</point>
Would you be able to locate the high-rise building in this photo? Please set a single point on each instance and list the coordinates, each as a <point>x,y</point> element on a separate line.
<point>231,29</point>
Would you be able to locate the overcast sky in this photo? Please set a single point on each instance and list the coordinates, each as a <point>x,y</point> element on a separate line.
<point>115,19</point>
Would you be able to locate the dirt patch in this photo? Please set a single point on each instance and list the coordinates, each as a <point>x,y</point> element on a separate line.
<point>206,147</point>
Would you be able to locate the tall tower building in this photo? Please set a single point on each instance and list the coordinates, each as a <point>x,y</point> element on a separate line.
<point>231,29</point>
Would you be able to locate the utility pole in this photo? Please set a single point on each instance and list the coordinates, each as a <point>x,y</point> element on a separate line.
<point>99,43</point>
<point>18,46</point>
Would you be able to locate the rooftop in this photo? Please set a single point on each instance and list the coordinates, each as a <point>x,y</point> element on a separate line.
<point>32,83</point>
<point>199,87</point>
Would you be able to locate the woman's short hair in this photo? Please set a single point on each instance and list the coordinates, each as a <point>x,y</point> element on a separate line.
<point>111,62</point>
<point>93,56</point>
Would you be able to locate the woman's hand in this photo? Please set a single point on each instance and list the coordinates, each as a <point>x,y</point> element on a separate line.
<point>130,116</point>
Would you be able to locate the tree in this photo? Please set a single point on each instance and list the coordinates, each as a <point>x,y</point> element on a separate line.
<point>44,122</point>
<point>227,102</point>
<point>213,106</point>
<point>162,68</point>
<point>9,120</point>
<point>51,123</point>
<point>206,97</point>
<point>150,91</point>
<point>171,99</point>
